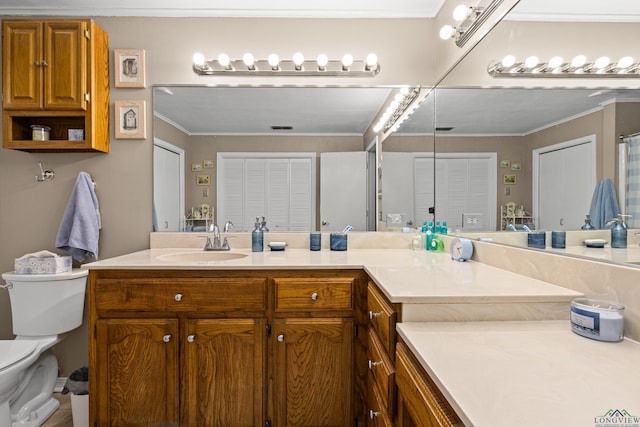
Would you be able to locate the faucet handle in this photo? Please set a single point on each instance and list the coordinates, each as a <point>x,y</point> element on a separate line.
<point>207,245</point>
<point>225,243</point>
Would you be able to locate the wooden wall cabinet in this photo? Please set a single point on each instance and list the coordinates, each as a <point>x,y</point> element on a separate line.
<point>55,74</point>
<point>221,348</point>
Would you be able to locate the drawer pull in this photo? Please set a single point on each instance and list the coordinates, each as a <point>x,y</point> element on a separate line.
<point>314,296</point>
<point>373,364</point>
<point>281,338</point>
<point>178,297</point>
<point>373,414</point>
<point>373,315</point>
<point>191,338</point>
<point>166,338</point>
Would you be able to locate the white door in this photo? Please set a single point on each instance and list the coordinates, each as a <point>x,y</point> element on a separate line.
<point>168,182</point>
<point>343,191</point>
<point>565,184</point>
<point>397,188</point>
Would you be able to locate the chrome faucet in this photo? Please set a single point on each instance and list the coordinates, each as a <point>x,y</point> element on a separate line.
<point>216,244</point>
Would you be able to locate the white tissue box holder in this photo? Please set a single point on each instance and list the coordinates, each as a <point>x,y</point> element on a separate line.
<point>43,265</point>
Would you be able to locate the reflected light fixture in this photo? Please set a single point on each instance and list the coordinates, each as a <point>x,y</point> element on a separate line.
<point>469,19</point>
<point>400,104</point>
<point>578,67</point>
<point>296,66</point>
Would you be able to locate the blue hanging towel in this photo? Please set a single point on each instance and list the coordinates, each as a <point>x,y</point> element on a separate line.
<point>604,204</point>
<point>80,226</point>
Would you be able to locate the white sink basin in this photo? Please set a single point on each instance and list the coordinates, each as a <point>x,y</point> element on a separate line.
<point>200,257</point>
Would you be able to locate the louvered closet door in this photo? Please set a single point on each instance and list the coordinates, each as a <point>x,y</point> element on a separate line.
<point>301,195</point>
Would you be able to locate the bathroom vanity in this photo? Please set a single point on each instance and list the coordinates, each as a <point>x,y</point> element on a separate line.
<point>293,338</point>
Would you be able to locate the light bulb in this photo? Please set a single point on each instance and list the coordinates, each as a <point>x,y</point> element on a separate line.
<point>531,62</point>
<point>602,62</point>
<point>625,62</point>
<point>274,61</point>
<point>322,60</point>
<point>298,58</point>
<point>447,32</point>
<point>404,90</point>
<point>198,59</point>
<point>371,60</point>
<point>248,60</point>
<point>347,60</point>
<point>555,62</point>
<point>224,60</point>
<point>399,97</point>
<point>508,61</point>
<point>461,12</point>
<point>578,61</point>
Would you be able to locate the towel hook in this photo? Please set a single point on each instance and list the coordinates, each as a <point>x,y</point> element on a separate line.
<point>45,174</point>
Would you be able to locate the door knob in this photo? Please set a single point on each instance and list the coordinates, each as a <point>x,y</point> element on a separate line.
<point>191,338</point>
<point>178,297</point>
<point>281,338</point>
<point>314,296</point>
<point>373,364</point>
<point>373,315</point>
<point>166,338</point>
<point>325,223</point>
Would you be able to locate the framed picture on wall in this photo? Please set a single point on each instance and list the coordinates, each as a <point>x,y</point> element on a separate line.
<point>129,68</point>
<point>208,164</point>
<point>203,179</point>
<point>130,120</point>
<point>196,167</point>
<point>505,163</point>
<point>509,179</point>
<point>516,166</point>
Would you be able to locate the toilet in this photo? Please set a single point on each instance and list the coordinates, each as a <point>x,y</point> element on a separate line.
<point>43,306</point>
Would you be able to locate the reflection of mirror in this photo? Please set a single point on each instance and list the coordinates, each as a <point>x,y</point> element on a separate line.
<point>207,121</point>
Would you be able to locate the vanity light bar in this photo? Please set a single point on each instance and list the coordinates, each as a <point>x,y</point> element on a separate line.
<point>396,109</point>
<point>297,66</point>
<point>556,67</point>
<point>469,22</point>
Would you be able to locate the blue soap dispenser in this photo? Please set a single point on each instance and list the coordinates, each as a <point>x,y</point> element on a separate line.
<point>618,231</point>
<point>257,237</point>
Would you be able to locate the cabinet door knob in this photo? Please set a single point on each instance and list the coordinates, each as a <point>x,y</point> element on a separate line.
<point>36,63</point>
<point>373,364</point>
<point>314,296</point>
<point>373,315</point>
<point>166,338</point>
<point>373,414</point>
<point>44,63</point>
<point>178,297</point>
<point>191,338</point>
<point>281,338</point>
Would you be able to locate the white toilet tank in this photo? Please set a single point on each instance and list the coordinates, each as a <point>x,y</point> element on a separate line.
<point>46,304</point>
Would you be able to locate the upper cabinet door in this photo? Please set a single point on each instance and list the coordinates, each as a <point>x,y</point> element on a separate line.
<point>22,59</point>
<point>65,68</point>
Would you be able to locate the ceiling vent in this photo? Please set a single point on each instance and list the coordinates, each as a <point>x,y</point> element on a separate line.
<point>282,127</point>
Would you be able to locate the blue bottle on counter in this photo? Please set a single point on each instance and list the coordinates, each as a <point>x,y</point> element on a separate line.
<point>619,232</point>
<point>257,238</point>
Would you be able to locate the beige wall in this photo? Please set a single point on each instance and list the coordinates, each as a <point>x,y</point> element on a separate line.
<point>30,212</point>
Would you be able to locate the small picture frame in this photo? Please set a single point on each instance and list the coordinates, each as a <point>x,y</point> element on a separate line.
<point>196,167</point>
<point>203,179</point>
<point>130,120</point>
<point>505,163</point>
<point>129,68</point>
<point>509,179</point>
<point>516,166</point>
<point>207,164</point>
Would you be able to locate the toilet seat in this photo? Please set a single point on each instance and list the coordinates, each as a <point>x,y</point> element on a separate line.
<point>13,351</point>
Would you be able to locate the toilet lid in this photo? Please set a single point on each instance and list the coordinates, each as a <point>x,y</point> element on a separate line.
<point>12,351</point>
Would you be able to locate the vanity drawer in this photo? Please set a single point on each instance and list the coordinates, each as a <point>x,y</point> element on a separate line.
<point>382,318</point>
<point>176,295</point>
<point>293,294</point>
<point>382,372</point>
<point>377,415</point>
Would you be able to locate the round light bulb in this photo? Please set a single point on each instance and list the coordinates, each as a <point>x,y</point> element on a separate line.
<point>404,90</point>
<point>399,97</point>
<point>298,58</point>
<point>602,62</point>
<point>248,59</point>
<point>322,60</point>
<point>198,59</point>
<point>508,61</point>
<point>531,62</point>
<point>555,62</point>
<point>578,61</point>
<point>461,12</point>
<point>625,62</point>
<point>274,60</point>
<point>371,60</point>
<point>447,32</point>
<point>224,60</point>
<point>347,60</point>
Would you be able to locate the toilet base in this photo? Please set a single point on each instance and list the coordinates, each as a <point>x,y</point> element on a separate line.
<point>33,402</point>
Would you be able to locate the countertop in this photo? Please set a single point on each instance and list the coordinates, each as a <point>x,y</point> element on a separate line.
<point>522,373</point>
<point>405,276</point>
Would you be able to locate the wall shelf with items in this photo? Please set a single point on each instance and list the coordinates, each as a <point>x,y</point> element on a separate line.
<point>55,74</point>
<point>517,217</point>
<point>199,219</point>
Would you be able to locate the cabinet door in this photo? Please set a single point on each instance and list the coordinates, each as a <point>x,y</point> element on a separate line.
<point>313,372</point>
<point>21,59</point>
<point>224,373</point>
<point>65,68</point>
<point>137,372</point>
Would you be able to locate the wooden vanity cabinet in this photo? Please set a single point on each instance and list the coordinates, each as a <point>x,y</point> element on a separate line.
<point>223,348</point>
<point>420,402</point>
<point>55,74</point>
